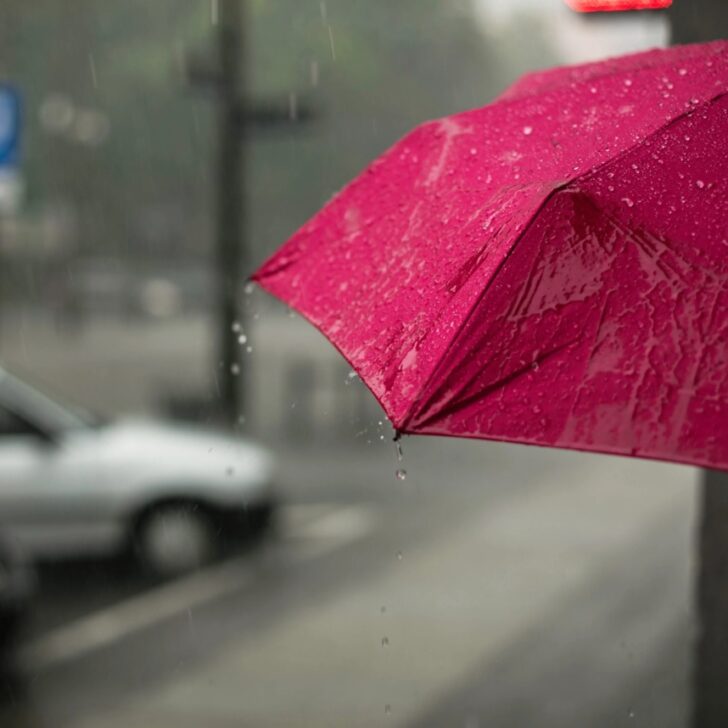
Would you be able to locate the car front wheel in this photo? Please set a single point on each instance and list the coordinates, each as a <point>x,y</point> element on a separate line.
<point>175,538</point>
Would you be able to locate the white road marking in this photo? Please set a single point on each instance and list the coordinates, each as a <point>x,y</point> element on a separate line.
<point>344,524</point>
<point>317,529</point>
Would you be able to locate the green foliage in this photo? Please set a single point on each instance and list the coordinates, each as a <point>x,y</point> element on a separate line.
<point>372,69</point>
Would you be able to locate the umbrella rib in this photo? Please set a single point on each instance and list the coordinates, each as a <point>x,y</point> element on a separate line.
<point>452,407</point>
<point>411,412</point>
<point>624,152</point>
<point>418,401</point>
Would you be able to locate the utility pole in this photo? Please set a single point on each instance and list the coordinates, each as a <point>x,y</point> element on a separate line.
<point>230,252</point>
<point>236,116</point>
<point>693,21</point>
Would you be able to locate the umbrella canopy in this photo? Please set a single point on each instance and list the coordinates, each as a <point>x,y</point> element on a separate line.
<point>549,269</point>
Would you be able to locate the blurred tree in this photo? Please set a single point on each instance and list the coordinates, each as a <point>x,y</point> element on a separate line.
<point>141,186</point>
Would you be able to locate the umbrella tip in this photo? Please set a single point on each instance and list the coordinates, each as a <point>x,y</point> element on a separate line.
<point>397,435</point>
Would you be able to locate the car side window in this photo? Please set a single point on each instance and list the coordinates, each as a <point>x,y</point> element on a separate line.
<point>11,424</point>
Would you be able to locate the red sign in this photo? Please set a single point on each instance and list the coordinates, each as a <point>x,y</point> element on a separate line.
<point>600,6</point>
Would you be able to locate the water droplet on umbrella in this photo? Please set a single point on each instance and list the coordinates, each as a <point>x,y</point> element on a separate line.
<point>627,201</point>
<point>528,130</point>
<point>682,71</point>
<point>700,184</point>
<point>627,81</point>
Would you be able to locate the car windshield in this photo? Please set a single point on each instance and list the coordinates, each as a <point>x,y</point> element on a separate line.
<point>40,409</point>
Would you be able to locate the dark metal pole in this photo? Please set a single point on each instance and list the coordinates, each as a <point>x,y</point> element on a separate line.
<point>694,21</point>
<point>710,669</point>
<point>230,253</point>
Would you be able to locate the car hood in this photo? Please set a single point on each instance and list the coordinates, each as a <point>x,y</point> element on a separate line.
<point>192,452</point>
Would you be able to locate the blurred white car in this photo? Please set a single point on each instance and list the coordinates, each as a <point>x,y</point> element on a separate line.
<point>70,485</point>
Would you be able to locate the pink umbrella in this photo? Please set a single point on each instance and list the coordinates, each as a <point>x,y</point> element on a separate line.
<point>549,269</point>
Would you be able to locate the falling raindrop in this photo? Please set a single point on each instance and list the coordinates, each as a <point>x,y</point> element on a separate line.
<point>387,708</point>
<point>229,471</point>
<point>92,69</point>
<point>249,349</point>
<point>236,327</point>
<point>385,641</point>
<point>400,556</point>
<point>235,369</point>
<point>242,339</point>
<point>382,609</point>
<point>401,474</point>
<point>249,288</point>
<point>292,106</point>
<point>332,46</point>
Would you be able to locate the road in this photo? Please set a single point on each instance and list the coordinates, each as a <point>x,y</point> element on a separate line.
<point>495,586</point>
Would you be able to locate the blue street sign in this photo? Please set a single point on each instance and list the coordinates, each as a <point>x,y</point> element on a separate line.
<point>9,127</point>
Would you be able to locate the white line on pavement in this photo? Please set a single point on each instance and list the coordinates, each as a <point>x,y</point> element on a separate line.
<point>321,528</point>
